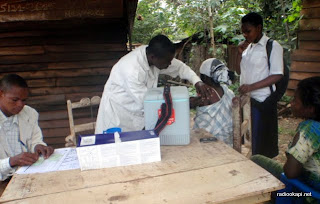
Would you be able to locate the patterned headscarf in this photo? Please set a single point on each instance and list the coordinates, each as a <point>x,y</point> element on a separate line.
<point>215,69</point>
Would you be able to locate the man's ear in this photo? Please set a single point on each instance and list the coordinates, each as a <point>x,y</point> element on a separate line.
<point>151,58</point>
<point>260,28</point>
<point>1,93</point>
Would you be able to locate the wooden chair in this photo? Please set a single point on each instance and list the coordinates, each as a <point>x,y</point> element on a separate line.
<point>85,102</point>
<point>241,115</point>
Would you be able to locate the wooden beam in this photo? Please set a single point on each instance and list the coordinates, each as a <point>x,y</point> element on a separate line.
<point>86,47</point>
<point>81,81</point>
<point>37,50</point>
<point>302,75</point>
<point>313,35</point>
<point>47,99</point>
<point>306,56</point>
<point>310,3</point>
<point>309,24</point>
<point>42,74</point>
<point>65,82</point>
<point>51,107</point>
<point>41,82</point>
<point>61,115</point>
<point>236,124</point>
<point>309,45</point>
<point>79,64</point>
<point>299,66</point>
<point>64,123</point>
<point>63,90</point>
<point>85,38</point>
<point>55,132</point>
<point>59,10</point>
<point>311,12</point>
<point>55,141</point>
<point>58,57</point>
<point>29,50</point>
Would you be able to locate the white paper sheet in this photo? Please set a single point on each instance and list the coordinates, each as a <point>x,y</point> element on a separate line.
<point>119,154</point>
<point>61,159</point>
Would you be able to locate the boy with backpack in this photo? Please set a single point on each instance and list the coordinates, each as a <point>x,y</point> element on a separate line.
<point>259,74</point>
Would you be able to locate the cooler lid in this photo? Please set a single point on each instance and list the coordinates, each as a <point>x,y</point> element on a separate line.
<point>177,92</point>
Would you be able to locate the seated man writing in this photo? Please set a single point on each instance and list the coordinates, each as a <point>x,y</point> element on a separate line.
<point>215,116</point>
<point>21,141</point>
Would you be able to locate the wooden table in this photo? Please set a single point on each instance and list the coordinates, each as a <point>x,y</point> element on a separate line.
<point>197,173</point>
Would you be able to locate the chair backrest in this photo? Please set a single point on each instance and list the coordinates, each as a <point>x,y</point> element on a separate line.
<point>74,129</point>
<point>241,116</point>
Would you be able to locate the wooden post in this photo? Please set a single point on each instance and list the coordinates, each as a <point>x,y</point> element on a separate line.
<point>236,124</point>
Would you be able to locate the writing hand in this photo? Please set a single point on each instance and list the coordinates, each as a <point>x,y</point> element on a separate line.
<point>23,159</point>
<point>45,151</point>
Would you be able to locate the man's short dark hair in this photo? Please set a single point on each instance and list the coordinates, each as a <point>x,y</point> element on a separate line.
<point>161,46</point>
<point>252,18</point>
<point>12,80</point>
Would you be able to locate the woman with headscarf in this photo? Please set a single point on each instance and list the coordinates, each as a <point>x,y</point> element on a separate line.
<point>215,116</point>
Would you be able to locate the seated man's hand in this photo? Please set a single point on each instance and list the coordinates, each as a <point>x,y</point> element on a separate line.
<point>204,91</point>
<point>23,159</point>
<point>45,151</point>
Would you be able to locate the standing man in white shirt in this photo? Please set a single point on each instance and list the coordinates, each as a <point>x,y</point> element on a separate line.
<point>21,141</point>
<point>122,100</point>
<point>256,78</point>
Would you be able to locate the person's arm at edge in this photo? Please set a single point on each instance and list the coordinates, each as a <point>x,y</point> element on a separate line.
<point>272,79</point>
<point>38,146</point>
<point>178,68</point>
<point>5,169</point>
<point>241,47</point>
<point>238,61</point>
<point>292,168</point>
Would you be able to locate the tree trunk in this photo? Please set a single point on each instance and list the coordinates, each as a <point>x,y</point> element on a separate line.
<point>285,16</point>
<point>211,30</point>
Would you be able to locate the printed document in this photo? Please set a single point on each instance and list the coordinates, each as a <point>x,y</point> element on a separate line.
<point>61,159</point>
<point>119,154</point>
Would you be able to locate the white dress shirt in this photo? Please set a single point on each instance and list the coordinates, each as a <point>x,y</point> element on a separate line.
<point>9,136</point>
<point>122,99</point>
<point>18,133</point>
<point>254,66</point>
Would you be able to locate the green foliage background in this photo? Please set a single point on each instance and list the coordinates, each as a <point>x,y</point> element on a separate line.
<point>179,19</point>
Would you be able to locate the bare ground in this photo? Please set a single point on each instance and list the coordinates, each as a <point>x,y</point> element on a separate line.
<point>287,126</point>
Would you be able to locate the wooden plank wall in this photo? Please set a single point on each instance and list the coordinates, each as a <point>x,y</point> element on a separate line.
<point>61,60</point>
<point>306,59</point>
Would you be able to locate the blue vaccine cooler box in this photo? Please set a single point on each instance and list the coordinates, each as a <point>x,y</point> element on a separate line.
<point>177,130</point>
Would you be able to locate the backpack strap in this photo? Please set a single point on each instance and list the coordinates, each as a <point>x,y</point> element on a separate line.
<point>166,110</point>
<point>269,48</point>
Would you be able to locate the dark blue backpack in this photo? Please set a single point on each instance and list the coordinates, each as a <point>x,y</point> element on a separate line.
<point>282,84</point>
